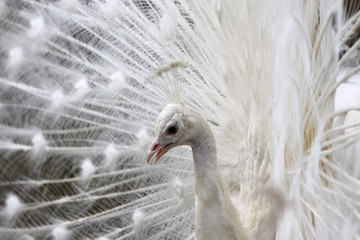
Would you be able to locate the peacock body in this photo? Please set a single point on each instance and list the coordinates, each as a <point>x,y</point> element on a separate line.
<point>83,82</point>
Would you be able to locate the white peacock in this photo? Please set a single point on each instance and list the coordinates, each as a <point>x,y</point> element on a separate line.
<point>274,83</point>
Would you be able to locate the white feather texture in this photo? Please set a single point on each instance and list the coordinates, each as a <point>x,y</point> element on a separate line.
<point>83,82</point>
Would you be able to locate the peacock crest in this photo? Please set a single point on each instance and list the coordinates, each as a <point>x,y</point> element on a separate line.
<point>170,77</point>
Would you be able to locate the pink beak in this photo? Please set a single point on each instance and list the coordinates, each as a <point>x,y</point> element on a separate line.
<point>157,149</point>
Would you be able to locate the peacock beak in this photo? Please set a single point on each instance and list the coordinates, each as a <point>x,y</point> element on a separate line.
<point>158,150</point>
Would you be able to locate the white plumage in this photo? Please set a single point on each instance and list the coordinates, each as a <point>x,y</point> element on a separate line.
<point>83,82</point>
<point>215,215</point>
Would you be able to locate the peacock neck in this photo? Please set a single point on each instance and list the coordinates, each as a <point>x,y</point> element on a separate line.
<point>203,146</point>
<point>215,213</point>
<point>205,159</point>
<point>204,154</point>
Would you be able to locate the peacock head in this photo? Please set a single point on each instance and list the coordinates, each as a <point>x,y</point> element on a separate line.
<point>170,131</point>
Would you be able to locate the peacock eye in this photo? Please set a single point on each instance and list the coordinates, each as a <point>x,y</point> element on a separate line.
<point>172,130</point>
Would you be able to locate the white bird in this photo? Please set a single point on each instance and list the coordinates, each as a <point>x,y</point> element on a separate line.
<point>216,216</point>
<point>273,83</point>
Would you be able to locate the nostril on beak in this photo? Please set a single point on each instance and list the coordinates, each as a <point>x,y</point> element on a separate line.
<point>154,146</point>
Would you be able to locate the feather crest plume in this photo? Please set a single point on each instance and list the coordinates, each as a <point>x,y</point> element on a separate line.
<point>170,83</point>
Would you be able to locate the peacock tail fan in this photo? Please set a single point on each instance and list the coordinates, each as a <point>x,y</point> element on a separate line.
<point>83,82</point>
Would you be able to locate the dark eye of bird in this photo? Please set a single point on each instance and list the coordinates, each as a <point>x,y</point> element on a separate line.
<point>172,130</point>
